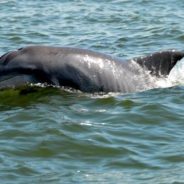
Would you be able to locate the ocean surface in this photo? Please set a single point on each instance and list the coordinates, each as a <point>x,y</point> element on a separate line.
<point>51,135</point>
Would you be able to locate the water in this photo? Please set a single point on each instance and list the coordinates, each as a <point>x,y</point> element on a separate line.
<point>49,135</point>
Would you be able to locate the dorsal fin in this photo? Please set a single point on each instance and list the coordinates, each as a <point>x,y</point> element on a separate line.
<point>160,63</point>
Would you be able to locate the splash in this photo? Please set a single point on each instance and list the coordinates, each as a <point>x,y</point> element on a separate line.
<point>176,76</point>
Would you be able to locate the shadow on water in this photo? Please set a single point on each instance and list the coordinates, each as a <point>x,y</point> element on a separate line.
<point>25,96</point>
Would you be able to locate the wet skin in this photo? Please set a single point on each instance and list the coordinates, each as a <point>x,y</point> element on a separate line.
<point>82,69</point>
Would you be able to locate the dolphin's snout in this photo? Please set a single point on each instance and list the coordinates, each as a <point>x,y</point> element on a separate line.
<point>7,57</point>
<point>3,57</point>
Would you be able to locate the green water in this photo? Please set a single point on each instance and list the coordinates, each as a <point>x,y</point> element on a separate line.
<point>49,135</point>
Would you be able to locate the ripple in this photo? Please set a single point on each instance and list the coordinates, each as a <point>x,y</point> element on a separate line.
<point>50,135</point>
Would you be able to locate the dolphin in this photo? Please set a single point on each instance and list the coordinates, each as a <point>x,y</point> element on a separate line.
<point>83,69</point>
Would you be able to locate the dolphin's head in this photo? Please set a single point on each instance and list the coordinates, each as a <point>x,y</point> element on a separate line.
<point>15,70</point>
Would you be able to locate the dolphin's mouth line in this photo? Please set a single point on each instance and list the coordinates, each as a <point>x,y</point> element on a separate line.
<point>15,80</point>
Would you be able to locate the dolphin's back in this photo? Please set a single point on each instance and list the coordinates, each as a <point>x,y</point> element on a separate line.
<point>83,69</point>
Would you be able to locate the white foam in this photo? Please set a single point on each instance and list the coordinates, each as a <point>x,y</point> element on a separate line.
<point>176,75</point>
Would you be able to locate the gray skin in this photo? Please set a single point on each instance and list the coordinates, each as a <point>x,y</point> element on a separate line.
<point>82,69</point>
